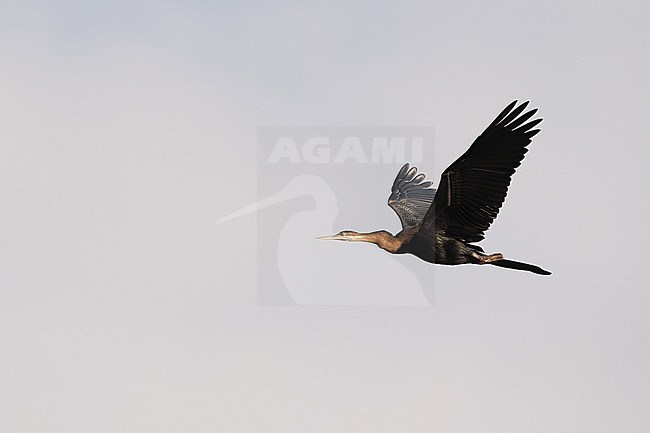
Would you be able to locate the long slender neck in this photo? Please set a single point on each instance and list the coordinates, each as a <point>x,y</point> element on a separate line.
<point>382,239</point>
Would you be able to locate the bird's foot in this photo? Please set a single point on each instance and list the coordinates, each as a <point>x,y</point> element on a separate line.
<point>492,258</point>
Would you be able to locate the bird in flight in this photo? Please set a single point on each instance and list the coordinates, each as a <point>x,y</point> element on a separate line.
<point>441,225</point>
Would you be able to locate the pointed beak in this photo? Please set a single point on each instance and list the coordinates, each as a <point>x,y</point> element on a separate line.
<point>330,238</point>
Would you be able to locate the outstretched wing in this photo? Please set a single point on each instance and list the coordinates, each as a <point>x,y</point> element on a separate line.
<point>411,196</point>
<point>473,188</point>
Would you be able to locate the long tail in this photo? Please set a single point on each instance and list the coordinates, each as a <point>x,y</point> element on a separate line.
<point>511,264</point>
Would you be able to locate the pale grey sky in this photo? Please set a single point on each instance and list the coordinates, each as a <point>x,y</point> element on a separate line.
<point>129,128</point>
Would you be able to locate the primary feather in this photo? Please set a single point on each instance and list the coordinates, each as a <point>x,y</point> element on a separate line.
<point>411,196</point>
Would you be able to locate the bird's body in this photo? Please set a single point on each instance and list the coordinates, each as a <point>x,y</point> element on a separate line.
<point>441,225</point>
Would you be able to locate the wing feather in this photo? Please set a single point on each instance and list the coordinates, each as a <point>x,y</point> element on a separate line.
<point>474,187</point>
<point>411,196</point>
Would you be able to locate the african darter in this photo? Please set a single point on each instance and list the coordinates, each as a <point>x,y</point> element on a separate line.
<point>440,226</point>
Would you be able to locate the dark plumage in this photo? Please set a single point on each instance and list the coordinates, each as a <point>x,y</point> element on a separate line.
<point>411,197</point>
<point>439,226</point>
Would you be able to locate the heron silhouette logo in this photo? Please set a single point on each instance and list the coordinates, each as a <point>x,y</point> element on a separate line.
<point>314,180</point>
